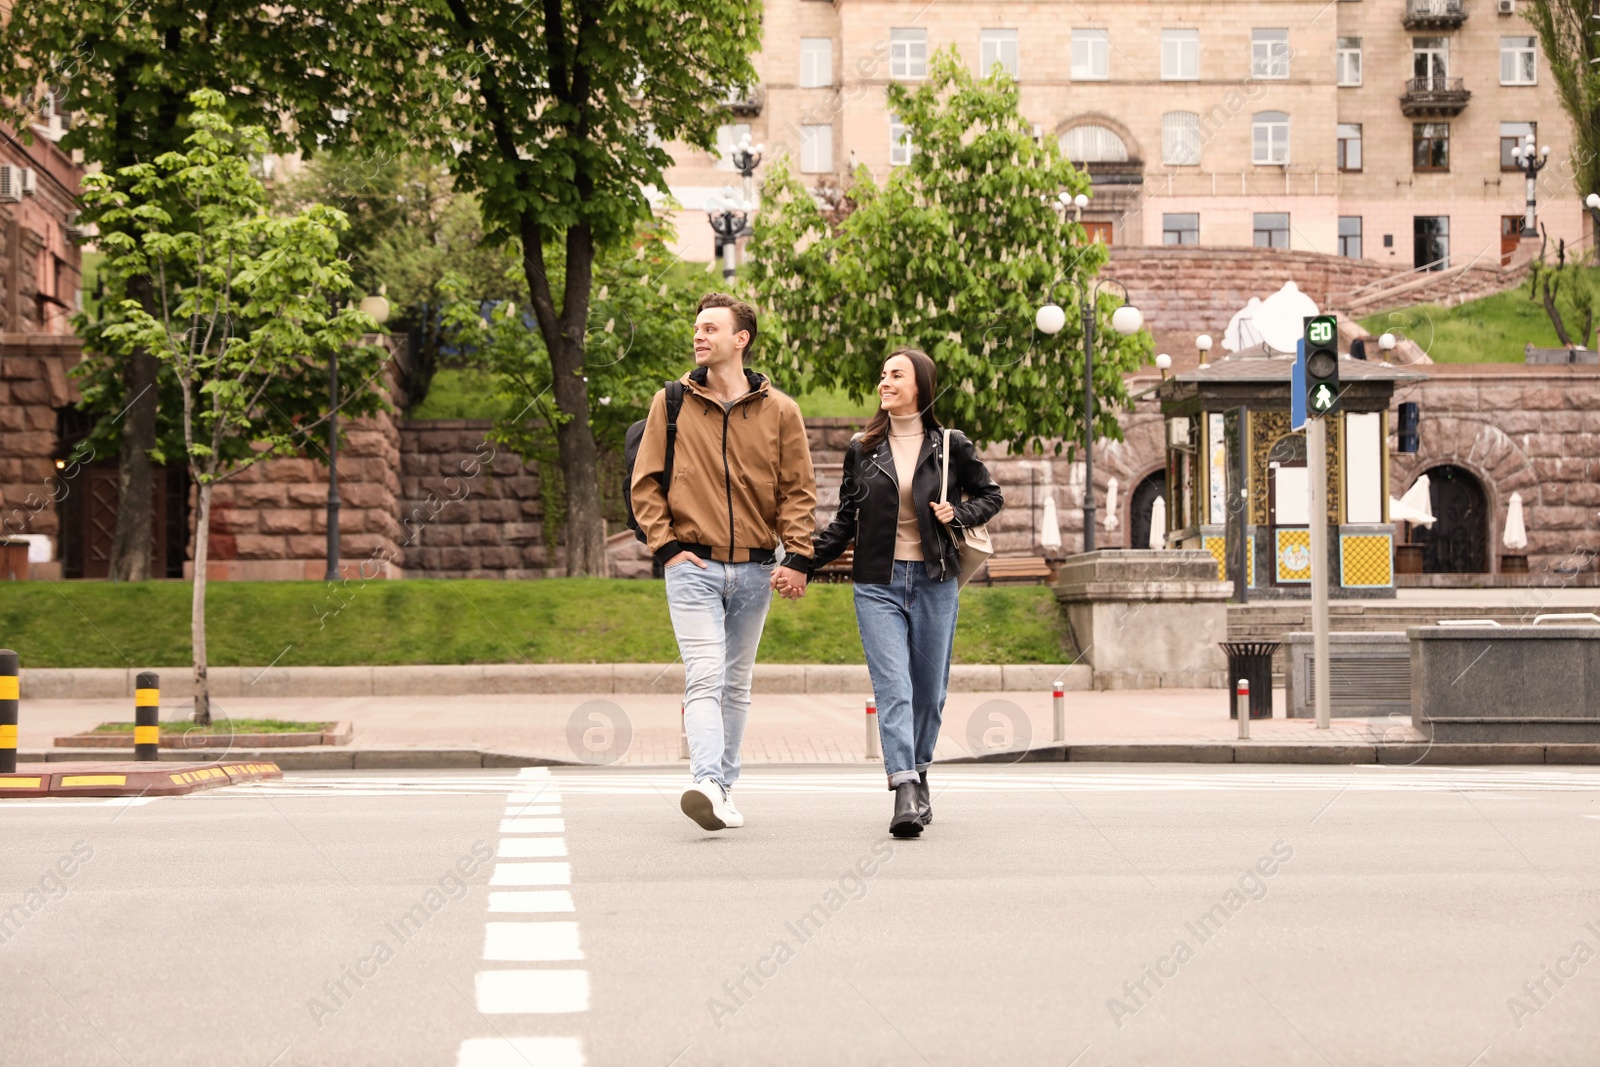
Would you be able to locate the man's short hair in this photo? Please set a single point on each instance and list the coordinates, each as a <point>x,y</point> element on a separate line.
<point>744,316</point>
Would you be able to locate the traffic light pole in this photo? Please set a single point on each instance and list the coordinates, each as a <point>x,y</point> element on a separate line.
<point>1317,460</point>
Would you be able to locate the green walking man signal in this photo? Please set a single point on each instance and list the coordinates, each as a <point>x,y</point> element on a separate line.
<point>1322,364</point>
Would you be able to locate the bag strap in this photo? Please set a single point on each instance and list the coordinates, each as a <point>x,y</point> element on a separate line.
<point>944,468</point>
<point>674,393</point>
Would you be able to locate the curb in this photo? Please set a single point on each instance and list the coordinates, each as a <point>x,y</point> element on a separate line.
<point>75,683</point>
<point>107,778</point>
<point>1268,752</point>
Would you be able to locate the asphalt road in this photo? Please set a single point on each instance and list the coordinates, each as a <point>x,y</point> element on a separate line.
<point>1064,915</point>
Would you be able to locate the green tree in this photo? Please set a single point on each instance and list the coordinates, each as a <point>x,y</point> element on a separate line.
<point>409,229</point>
<point>127,71</point>
<point>1569,38</point>
<point>641,334</point>
<point>558,118</point>
<point>953,254</point>
<point>246,316</point>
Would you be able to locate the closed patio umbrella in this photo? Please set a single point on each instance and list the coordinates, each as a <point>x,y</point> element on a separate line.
<point>1111,505</point>
<point>1050,526</point>
<point>1158,524</point>
<point>1516,536</point>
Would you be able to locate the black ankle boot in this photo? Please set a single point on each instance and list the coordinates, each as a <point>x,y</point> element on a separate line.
<point>924,803</point>
<point>905,822</point>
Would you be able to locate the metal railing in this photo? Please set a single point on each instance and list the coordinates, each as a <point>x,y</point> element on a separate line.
<point>1434,84</point>
<point>1435,9</point>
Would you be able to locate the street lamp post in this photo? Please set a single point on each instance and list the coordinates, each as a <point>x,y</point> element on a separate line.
<point>1126,320</point>
<point>731,220</point>
<point>1530,161</point>
<point>1386,345</point>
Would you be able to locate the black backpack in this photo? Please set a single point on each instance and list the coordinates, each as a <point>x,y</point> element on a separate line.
<point>630,452</point>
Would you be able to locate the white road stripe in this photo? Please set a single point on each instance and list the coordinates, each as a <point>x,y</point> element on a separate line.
<point>531,942</point>
<point>531,874</point>
<point>531,901</point>
<point>518,811</point>
<point>533,826</point>
<point>521,1052</point>
<point>528,848</point>
<point>544,992</point>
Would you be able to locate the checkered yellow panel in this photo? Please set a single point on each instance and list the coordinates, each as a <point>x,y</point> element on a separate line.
<point>1366,560</point>
<point>1218,547</point>
<point>1294,555</point>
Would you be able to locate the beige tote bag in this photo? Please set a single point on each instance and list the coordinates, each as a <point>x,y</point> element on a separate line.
<point>972,542</point>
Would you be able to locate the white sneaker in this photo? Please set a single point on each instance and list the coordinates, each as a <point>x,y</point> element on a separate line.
<point>730,814</point>
<point>704,803</point>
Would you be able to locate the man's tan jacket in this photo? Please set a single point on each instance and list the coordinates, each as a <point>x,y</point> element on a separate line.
<point>742,479</point>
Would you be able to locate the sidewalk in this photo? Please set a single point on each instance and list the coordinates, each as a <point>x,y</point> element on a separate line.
<point>628,730</point>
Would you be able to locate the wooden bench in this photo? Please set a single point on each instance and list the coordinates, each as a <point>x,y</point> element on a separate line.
<point>838,570</point>
<point>1017,569</point>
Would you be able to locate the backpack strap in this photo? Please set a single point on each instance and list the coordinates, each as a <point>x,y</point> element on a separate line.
<point>674,393</point>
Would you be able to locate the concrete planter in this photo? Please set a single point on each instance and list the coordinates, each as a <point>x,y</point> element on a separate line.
<point>1530,684</point>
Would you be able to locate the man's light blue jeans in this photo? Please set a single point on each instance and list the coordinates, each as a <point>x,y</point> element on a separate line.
<point>718,612</point>
<point>908,629</point>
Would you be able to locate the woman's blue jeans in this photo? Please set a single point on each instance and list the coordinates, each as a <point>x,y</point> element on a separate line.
<point>907,630</point>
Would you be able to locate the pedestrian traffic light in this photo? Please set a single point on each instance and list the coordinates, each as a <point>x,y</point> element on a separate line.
<point>1322,364</point>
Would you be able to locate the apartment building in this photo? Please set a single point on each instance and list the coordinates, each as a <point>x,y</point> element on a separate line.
<point>1376,129</point>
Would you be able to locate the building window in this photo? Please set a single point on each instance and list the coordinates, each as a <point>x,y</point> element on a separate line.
<point>727,140</point>
<point>1348,63</point>
<point>1269,53</point>
<point>816,149</point>
<point>1430,62</point>
<point>1180,55</point>
<point>1091,55</point>
<point>1271,229</point>
<point>1430,235</point>
<point>1430,146</point>
<point>1350,236</point>
<point>1513,134</point>
<point>1093,144</point>
<point>1180,229</point>
<point>1270,138</point>
<point>816,62</point>
<point>1349,146</point>
<point>1180,139</point>
<point>997,48</point>
<point>1519,63</point>
<point>908,53</point>
<point>900,146</point>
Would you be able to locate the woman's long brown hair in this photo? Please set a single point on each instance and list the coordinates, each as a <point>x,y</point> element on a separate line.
<point>926,375</point>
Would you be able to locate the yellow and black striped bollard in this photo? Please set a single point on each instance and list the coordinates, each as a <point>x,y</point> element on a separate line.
<point>147,716</point>
<point>9,693</point>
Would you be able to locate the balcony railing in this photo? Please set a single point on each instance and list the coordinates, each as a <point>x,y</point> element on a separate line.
<point>1432,96</point>
<point>1434,14</point>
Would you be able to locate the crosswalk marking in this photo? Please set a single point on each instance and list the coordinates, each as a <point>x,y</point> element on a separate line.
<point>528,992</point>
<point>531,942</point>
<point>530,902</point>
<point>533,826</point>
<point>527,848</point>
<point>521,1052</point>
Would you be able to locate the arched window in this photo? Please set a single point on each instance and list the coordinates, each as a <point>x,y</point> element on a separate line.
<point>1270,138</point>
<point>1180,139</point>
<point>1093,144</point>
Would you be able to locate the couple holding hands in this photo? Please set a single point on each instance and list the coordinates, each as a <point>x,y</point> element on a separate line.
<point>741,484</point>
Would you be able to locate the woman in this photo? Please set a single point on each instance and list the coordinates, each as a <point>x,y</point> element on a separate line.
<point>907,566</point>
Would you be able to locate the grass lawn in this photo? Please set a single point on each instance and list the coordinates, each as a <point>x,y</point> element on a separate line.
<point>468,393</point>
<point>1493,329</point>
<point>421,621</point>
<point>222,726</point>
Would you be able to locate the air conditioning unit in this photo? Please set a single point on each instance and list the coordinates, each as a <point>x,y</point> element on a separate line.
<point>10,184</point>
<point>1037,132</point>
<point>30,181</point>
<point>1506,7</point>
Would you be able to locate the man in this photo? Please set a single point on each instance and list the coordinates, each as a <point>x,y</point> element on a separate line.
<point>741,485</point>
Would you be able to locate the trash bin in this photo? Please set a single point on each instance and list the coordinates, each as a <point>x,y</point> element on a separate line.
<point>1252,661</point>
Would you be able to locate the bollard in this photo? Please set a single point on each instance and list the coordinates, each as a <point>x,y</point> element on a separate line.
<point>1243,703</point>
<point>147,716</point>
<point>683,733</point>
<point>9,694</point>
<point>872,729</point>
<point>1060,698</point>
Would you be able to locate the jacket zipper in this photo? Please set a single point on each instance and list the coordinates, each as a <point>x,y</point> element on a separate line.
<point>727,476</point>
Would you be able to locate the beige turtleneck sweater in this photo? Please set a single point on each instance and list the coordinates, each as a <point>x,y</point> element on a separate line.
<point>905,441</point>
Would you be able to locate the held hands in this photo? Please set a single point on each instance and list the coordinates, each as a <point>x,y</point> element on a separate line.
<point>789,583</point>
<point>943,512</point>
